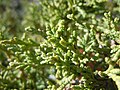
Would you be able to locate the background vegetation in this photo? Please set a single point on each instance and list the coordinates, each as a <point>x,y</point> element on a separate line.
<point>60,44</point>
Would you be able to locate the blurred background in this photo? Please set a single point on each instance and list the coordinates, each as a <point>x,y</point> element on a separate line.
<point>15,15</point>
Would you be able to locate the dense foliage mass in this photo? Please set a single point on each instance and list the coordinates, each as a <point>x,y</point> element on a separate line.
<point>60,44</point>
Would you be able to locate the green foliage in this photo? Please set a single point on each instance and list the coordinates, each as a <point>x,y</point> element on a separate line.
<point>66,45</point>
